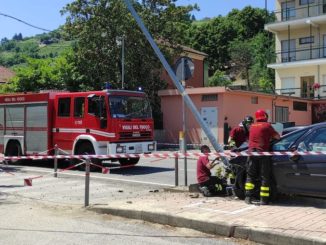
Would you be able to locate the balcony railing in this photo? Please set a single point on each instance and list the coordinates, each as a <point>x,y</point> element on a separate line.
<point>313,52</point>
<point>304,11</point>
<point>308,93</point>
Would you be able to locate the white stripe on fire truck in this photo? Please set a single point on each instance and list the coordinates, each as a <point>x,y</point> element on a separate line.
<point>101,133</point>
<point>82,130</point>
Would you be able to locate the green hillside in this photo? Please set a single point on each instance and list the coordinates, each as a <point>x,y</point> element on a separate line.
<point>13,52</point>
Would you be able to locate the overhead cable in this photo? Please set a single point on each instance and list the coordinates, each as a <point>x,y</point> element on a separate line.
<point>24,22</point>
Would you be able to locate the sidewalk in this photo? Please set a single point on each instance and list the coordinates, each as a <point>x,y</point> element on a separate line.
<point>286,222</point>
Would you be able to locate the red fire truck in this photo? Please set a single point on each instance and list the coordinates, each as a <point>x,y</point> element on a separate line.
<point>97,122</point>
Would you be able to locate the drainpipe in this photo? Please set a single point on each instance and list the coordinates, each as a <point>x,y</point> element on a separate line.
<point>289,43</point>
<point>273,107</point>
<point>310,27</point>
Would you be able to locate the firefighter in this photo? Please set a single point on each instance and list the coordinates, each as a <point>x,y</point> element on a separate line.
<point>208,185</point>
<point>240,134</point>
<point>259,167</point>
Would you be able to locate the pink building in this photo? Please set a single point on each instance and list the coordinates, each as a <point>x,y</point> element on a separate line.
<point>222,108</point>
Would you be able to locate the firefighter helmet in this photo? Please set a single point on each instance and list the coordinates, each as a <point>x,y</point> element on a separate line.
<point>261,115</point>
<point>248,120</point>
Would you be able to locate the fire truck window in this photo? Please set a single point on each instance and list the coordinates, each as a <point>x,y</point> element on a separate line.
<point>93,106</point>
<point>64,107</point>
<point>79,108</point>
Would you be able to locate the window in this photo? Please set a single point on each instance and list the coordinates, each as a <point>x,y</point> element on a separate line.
<point>299,106</point>
<point>288,50</point>
<point>79,107</point>
<point>96,106</point>
<point>64,107</point>
<point>285,143</point>
<point>288,85</point>
<point>316,141</point>
<point>323,85</point>
<point>254,100</point>
<point>305,2</point>
<point>281,114</point>
<point>209,97</point>
<point>288,10</point>
<point>306,40</point>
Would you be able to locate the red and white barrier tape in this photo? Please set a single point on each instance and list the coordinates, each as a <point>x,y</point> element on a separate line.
<point>169,155</point>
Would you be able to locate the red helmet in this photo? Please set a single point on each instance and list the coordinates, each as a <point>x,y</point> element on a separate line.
<point>261,115</point>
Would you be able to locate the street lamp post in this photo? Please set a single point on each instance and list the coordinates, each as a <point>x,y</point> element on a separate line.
<point>121,41</point>
<point>123,61</point>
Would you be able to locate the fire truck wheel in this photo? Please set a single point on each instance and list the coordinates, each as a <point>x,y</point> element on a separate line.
<point>128,161</point>
<point>13,149</point>
<point>87,149</point>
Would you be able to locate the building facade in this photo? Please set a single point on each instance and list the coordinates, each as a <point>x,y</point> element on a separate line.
<point>223,109</point>
<point>200,73</point>
<point>300,36</point>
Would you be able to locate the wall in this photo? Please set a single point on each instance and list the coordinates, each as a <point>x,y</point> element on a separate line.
<point>200,74</point>
<point>234,105</point>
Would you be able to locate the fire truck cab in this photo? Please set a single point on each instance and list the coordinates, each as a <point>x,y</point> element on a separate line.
<point>94,123</point>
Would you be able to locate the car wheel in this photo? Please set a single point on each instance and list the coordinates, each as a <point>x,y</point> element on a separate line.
<point>86,149</point>
<point>13,149</point>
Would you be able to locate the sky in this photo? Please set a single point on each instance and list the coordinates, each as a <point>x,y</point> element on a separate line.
<point>45,14</point>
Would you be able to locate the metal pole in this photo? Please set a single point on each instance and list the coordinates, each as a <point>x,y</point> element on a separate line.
<point>56,150</point>
<point>175,80</point>
<point>123,61</point>
<point>87,169</point>
<point>176,173</point>
<point>266,6</point>
<point>184,124</point>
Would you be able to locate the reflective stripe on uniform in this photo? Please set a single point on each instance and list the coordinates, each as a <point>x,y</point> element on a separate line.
<point>264,194</point>
<point>249,186</point>
<point>264,188</point>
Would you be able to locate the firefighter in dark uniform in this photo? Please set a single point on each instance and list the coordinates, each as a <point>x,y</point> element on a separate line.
<point>240,134</point>
<point>259,167</point>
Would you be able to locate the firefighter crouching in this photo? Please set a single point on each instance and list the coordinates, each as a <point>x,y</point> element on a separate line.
<point>259,167</point>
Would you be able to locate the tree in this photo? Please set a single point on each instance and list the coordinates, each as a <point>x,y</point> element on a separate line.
<point>242,58</point>
<point>38,74</point>
<point>219,79</point>
<point>216,35</point>
<point>263,53</point>
<point>96,26</point>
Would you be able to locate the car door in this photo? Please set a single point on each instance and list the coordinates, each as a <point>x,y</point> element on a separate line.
<point>284,167</point>
<point>311,168</point>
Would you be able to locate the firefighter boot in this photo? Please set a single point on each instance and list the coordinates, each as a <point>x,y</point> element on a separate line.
<point>249,188</point>
<point>205,191</point>
<point>248,200</point>
<point>264,195</point>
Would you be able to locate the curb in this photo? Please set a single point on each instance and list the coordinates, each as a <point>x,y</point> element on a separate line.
<point>259,235</point>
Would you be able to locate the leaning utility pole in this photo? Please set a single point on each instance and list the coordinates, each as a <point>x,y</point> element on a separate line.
<point>175,80</point>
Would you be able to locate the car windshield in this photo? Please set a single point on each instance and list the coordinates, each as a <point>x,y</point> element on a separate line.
<point>129,107</point>
<point>288,140</point>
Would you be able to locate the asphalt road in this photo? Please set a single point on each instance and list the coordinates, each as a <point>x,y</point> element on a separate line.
<point>26,221</point>
<point>51,210</point>
<point>147,176</point>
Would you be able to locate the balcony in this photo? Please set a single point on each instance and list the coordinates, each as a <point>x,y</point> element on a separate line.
<point>302,54</point>
<point>289,12</point>
<point>304,92</point>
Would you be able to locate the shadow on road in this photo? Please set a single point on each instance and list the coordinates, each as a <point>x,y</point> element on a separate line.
<point>140,170</point>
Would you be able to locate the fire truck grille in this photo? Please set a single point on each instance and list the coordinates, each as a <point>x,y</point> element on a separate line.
<point>134,135</point>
